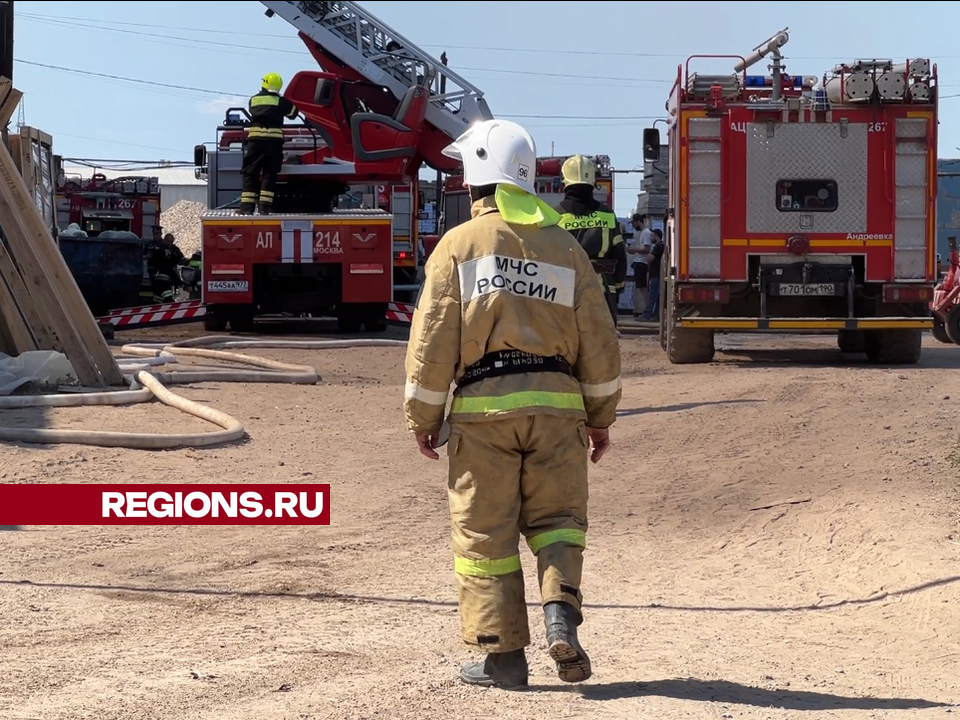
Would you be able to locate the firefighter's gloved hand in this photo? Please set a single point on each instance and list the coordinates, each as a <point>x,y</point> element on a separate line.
<point>599,442</point>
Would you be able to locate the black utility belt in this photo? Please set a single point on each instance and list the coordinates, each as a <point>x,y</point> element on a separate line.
<point>511,362</point>
<point>604,267</point>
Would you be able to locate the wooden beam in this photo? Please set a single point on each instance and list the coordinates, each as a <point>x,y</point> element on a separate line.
<point>9,99</point>
<point>51,284</point>
<point>14,330</point>
<point>44,337</point>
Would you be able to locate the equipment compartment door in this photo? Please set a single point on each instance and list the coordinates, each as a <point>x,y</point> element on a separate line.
<point>828,159</point>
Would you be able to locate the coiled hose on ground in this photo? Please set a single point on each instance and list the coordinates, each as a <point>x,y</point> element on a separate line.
<point>137,363</point>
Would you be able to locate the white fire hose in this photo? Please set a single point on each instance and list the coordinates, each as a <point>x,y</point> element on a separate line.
<point>146,383</point>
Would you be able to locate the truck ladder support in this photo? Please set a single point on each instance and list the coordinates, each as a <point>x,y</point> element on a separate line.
<point>384,57</point>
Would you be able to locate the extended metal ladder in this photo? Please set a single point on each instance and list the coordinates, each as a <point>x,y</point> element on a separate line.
<point>386,58</point>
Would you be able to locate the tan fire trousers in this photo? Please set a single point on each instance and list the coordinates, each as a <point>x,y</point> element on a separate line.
<point>513,476</point>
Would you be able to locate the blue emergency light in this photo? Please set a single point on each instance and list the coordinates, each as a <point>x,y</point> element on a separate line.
<point>795,81</point>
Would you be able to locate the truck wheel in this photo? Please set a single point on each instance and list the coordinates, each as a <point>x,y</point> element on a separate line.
<point>349,320</point>
<point>375,319</point>
<point>241,319</point>
<point>685,346</point>
<point>851,341</point>
<point>940,331</point>
<point>952,326</point>
<point>212,322</point>
<point>893,347</point>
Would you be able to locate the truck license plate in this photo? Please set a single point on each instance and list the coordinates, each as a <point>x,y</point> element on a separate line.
<point>227,285</point>
<point>815,289</point>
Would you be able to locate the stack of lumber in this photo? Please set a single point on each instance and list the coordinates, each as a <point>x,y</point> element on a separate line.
<point>41,307</point>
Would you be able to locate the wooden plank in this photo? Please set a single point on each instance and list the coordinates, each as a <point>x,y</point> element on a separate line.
<point>44,336</point>
<point>15,142</point>
<point>9,99</point>
<point>18,338</point>
<point>39,290</point>
<point>57,293</point>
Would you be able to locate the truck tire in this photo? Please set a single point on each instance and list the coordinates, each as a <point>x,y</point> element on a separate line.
<point>349,319</point>
<point>241,319</point>
<point>851,341</point>
<point>940,332</point>
<point>952,326</point>
<point>213,322</point>
<point>893,347</point>
<point>375,318</point>
<point>685,346</point>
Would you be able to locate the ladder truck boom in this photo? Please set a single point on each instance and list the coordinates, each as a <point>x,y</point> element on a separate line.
<point>347,40</point>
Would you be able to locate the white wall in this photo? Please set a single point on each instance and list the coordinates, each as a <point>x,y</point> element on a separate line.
<point>170,195</point>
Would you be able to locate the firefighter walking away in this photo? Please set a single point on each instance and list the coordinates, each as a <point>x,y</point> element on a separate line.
<point>595,226</point>
<point>511,311</point>
<point>263,154</point>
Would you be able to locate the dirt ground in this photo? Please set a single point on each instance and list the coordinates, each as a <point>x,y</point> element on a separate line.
<point>773,535</point>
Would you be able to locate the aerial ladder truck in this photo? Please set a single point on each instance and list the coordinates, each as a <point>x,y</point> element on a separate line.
<point>378,111</point>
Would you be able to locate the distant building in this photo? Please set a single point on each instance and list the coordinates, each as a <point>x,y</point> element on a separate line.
<point>948,205</point>
<point>176,183</point>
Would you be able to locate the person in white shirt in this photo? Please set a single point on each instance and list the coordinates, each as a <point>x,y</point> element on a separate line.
<point>640,247</point>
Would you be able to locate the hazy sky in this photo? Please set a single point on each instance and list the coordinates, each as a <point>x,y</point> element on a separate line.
<point>587,81</point>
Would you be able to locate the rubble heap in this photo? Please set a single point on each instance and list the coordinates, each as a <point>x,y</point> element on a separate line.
<point>183,220</point>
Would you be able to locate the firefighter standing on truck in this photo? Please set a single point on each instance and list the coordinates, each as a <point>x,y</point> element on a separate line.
<point>263,154</point>
<point>595,226</point>
<point>512,311</point>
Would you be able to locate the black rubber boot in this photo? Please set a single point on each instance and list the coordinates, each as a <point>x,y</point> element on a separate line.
<point>507,671</point>
<point>265,208</point>
<point>245,209</point>
<point>562,620</point>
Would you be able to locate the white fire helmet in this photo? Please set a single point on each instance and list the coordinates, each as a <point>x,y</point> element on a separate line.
<point>496,151</point>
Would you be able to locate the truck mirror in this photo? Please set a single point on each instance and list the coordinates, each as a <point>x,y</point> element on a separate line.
<point>199,155</point>
<point>651,145</point>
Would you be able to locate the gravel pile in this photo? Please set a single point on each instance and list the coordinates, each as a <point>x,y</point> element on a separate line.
<point>183,220</point>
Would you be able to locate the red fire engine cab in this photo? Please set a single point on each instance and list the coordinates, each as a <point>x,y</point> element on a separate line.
<point>549,185</point>
<point>384,109</point>
<point>798,204</point>
<point>96,204</point>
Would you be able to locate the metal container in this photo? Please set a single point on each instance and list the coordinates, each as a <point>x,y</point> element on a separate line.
<point>948,205</point>
<point>109,272</point>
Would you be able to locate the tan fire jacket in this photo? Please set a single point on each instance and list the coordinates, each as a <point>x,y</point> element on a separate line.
<point>493,286</point>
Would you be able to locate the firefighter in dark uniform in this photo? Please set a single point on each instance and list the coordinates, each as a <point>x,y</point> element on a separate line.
<point>595,226</point>
<point>163,260</point>
<point>263,155</point>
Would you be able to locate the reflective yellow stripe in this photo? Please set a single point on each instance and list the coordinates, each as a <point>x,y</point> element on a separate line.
<point>604,220</point>
<point>258,100</point>
<point>259,132</point>
<point>486,568</point>
<point>573,537</point>
<point>515,401</point>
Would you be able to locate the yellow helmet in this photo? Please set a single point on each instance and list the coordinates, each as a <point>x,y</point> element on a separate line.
<point>272,82</point>
<point>579,170</point>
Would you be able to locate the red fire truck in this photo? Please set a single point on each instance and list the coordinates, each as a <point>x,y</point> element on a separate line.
<point>96,204</point>
<point>799,204</point>
<point>384,109</point>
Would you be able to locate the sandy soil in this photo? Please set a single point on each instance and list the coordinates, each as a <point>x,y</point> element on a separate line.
<point>769,539</point>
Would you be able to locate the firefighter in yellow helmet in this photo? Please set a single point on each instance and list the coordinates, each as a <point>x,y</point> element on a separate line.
<point>263,154</point>
<point>511,311</point>
<point>595,226</point>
